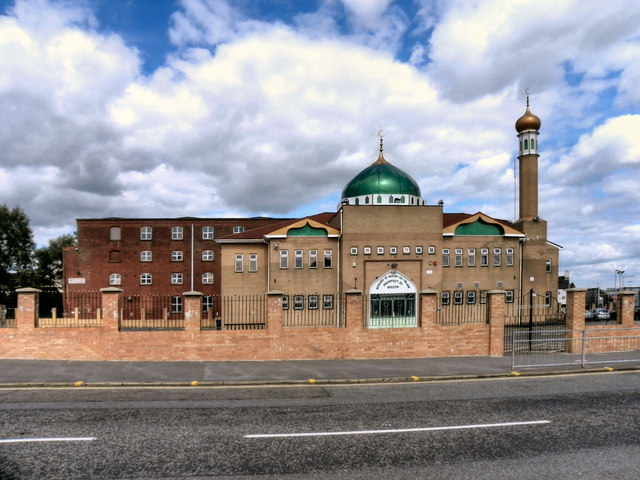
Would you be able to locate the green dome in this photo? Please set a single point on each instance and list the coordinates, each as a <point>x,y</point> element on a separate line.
<point>381,178</point>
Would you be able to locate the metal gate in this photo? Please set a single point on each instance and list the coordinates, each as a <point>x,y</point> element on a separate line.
<point>533,316</point>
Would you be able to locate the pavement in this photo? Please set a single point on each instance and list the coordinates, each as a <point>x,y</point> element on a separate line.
<point>33,373</point>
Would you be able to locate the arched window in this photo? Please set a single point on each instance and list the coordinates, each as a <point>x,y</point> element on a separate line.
<point>379,198</point>
<point>526,144</point>
<point>533,144</point>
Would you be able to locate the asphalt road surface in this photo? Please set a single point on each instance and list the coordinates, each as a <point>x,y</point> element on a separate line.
<point>581,426</point>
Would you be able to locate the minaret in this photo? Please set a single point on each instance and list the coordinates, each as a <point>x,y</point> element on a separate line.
<point>527,127</point>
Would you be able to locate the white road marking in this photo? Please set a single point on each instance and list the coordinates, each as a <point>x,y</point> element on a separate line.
<point>36,440</point>
<point>397,430</point>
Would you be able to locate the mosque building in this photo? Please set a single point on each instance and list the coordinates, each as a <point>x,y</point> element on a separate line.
<point>384,240</point>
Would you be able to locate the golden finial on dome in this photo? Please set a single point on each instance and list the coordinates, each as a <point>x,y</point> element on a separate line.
<point>528,121</point>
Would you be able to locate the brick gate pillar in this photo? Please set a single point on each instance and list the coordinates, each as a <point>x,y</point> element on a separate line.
<point>576,305</point>
<point>275,315</point>
<point>111,298</point>
<point>496,300</point>
<point>428,307</point>
<point>192,311</point>
<point>354,312</point>
<point>27,311</point>
<point>625,308</point>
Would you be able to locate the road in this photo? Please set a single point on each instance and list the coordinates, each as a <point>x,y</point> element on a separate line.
<point>581,426</point>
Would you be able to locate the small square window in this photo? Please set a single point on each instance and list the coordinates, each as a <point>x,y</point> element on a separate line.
<point>176,279</point>
<point>115,279</point>
<point>406,250</point>
<point>313,302</point>
<point>354,250</point>
<point>393,250</point>
<point>380,250</point>
<point>207,255</point>
<point>145,256</point>
<point>145,233</point>
<point>432,250</point>
<point>176,256</point>
<point>145,279</point>
<point>367,250</point>
<point>207,278</point>
<point>176,233</point>
<point>207,233</point>
<point>418,250</point>
<point>238,229</point>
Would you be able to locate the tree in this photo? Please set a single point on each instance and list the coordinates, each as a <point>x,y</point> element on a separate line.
<point>16,247</point>
<point>48,262</point>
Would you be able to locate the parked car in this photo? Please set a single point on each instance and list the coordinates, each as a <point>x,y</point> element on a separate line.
<point>588,315</point>
<point>602,314</point>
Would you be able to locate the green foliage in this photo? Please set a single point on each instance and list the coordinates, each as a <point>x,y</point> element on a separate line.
<point>21,264</point>
<point>16,247</point>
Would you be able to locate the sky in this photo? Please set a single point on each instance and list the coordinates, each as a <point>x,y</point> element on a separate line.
<point>234,108</point>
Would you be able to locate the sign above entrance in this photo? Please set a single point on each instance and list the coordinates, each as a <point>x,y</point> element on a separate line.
<point>393,282</point>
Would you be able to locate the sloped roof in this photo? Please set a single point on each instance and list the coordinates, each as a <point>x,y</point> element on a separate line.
<point>279,228</point>
<point>450,221</point>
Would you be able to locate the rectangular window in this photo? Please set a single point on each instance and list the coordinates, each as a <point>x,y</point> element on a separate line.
<point>145,256</point>
<point>393,250</point>
<point>115,279</point>
<point>446,298</point>
<point>548,264</point>
<point>145,279</point>
<point>284,259</point>
<point>313,302</point>
<point>471,297</point>
<point>328,259</point>
<point>380,250</point>
<point>114,234</point>
<point>207,233</point>
<point>471,257</point>
<point>406,250</point>
<point>484,257</point>
<point>207,255</point>
<point>313,258</point>
<point>176,279</point>
<point>298,302</point>
<point>327,302</point>
<point>285,302</point>
<point>238,229</point>
<point>418,250</point>
<point>432,250</point>
<point>176,233</point>
<point>297,258</point>
<point>367,250</point>
<point>176,304</point>
<point>176,256</point>
<point>354,250</point>
<point>483,296</point>
<point>207,278</point>
<point>458,295</point>
<point>253,262</point>
<point>146,233</point>
<point>509,257</point>
<point>239,263</point>
<point>445,257</point>
<point>547,299</point>
<point>207,303</point>
<point>509,296</point>
<point>497,257</point>
<point>458,257</point>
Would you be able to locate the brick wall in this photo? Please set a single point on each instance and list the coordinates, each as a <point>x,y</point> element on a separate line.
<point>274,343</point>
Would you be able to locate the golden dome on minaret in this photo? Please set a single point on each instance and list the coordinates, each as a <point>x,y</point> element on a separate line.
<point>528,121</point>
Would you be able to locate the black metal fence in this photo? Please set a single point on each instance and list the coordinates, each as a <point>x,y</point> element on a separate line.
<point>8,305</point>
<point>234,312</point>
<point>152,312</point>
<point>461,313</point>
<point>312,310</point>
<point>533,317</point>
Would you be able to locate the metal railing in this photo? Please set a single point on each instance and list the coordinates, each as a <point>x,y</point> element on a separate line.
<point>458,314</point>
<point>235,312</point>
<point>575,348</point>
<point>312,311</point>
<point>152,312</point>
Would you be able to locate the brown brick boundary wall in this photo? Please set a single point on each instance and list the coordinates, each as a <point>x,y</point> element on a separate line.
<point>276,342</point>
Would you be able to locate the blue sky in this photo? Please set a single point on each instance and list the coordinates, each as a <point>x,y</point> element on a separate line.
<point>233,108</point>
